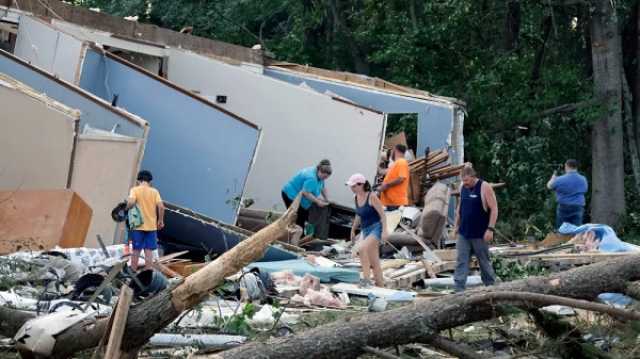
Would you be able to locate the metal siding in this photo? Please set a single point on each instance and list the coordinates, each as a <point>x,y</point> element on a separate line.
<point>435,121</point>
<point>93,113</point>
<point>199,155</point>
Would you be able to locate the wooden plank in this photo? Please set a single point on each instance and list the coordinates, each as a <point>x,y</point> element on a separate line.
<point>446,254</point>
<point>429,267</point>
<point>169,257</point>
<point>166,270</point>
<point>428,253</point>
<point>393,263</point>
<point>119,323</point>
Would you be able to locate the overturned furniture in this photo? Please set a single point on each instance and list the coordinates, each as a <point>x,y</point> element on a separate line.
<point>205,237</point>
<point>42,219</point>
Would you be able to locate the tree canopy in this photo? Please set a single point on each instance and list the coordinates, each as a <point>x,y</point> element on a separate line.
<point>524,69</point>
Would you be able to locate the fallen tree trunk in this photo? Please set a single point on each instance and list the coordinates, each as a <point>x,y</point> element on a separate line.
<point>459,350</point>
<point>421,321</point>
<point>148,317</point>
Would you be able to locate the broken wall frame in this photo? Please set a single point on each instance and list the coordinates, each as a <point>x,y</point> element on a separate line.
<point>184,124</point>
<point>301,127</point>
<point>96,113</point>
<point>280,108</point>
<point>438,119</point>
<point>37,141</point>
<point>50,50</point>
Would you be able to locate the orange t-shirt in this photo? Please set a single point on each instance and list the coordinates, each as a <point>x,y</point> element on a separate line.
<point>396,195</point>
<point>147,199</point>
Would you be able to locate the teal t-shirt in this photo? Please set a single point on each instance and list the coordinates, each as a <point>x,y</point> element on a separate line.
<point>307,180</point>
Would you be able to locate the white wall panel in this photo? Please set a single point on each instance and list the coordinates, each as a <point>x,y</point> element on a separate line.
<point>104,169</point>
<point>300,126</point>
<point>49,49</point>
<point>36,138</point>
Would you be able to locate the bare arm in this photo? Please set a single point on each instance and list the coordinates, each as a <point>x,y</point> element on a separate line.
<point>356,224</point>
<point>491,204</point>
<point>551,180</point>
<point>393,183</point>
<point>131,200</point>
<point>130,203</point>
<point>375,202</point>
<point>324,194</point>
<point>160,207</point>
<point>314,199</point>
<point>457,221</point>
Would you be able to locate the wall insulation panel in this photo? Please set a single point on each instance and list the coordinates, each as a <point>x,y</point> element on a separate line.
<point>104,169</point>
<point>49,49</point>
<point>95,112</point>
<point>200,155</point>
<point>435,119</point>
<point>36,140</point>
<point>300,126</point>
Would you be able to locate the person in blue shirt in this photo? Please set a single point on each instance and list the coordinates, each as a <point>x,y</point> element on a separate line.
<point>310,182</point>
<point>570,189</point>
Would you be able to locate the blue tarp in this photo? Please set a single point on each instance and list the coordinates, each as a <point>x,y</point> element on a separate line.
<point>301,267</point>
<point>609,241</point>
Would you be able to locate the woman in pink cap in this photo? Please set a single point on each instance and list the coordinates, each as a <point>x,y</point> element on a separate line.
<point>372,221</point>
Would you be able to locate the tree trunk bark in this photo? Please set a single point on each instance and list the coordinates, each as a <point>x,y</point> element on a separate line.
<point>607,200</point>
<point>422,320</point>
<point>632,141</point>
<point>512,25</point>
<point>360,62</point>
<point>155,313</point>
<point>539,58</point>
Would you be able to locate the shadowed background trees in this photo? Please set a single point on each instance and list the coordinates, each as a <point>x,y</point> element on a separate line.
<point>536,93</point>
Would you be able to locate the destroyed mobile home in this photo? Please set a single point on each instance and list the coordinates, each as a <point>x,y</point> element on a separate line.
<point>85,108</point>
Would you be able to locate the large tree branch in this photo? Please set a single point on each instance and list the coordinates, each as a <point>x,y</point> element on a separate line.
<point>155,313</point>
<point>421,321</point>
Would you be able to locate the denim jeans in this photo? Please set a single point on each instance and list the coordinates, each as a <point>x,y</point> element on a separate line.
<point>465,249</point>
<point>569,213</point>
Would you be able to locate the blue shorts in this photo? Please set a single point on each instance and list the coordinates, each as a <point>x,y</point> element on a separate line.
<point>144,240</point>
<point>373,230</point>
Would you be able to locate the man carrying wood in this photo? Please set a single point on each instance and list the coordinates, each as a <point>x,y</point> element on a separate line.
<point>476,217</point>
<point>570,189</point>
<point>144,236</point>
<point>395,186</point>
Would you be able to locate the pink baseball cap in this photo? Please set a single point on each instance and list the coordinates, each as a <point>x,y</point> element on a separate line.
<point>356,179</point>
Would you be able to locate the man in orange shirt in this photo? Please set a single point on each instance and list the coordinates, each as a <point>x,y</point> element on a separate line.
<point>144,237</point>
<point>395,186</point>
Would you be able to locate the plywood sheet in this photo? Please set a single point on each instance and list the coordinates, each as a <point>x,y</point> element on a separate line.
<point>104,169</point>
<point>36,138</point>
<point>40,220</point>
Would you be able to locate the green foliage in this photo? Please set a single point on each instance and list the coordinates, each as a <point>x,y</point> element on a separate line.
<point>237,324</point>
<point>448,47</point>
<point>509,270</point>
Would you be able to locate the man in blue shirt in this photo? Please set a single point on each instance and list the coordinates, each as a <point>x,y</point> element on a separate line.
<point>310,182</point>
<point>570,189</point>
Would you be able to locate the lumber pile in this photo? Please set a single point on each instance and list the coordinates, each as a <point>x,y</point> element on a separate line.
<point>426,171</point>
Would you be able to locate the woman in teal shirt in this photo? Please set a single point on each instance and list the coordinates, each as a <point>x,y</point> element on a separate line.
<point>310,182</point>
